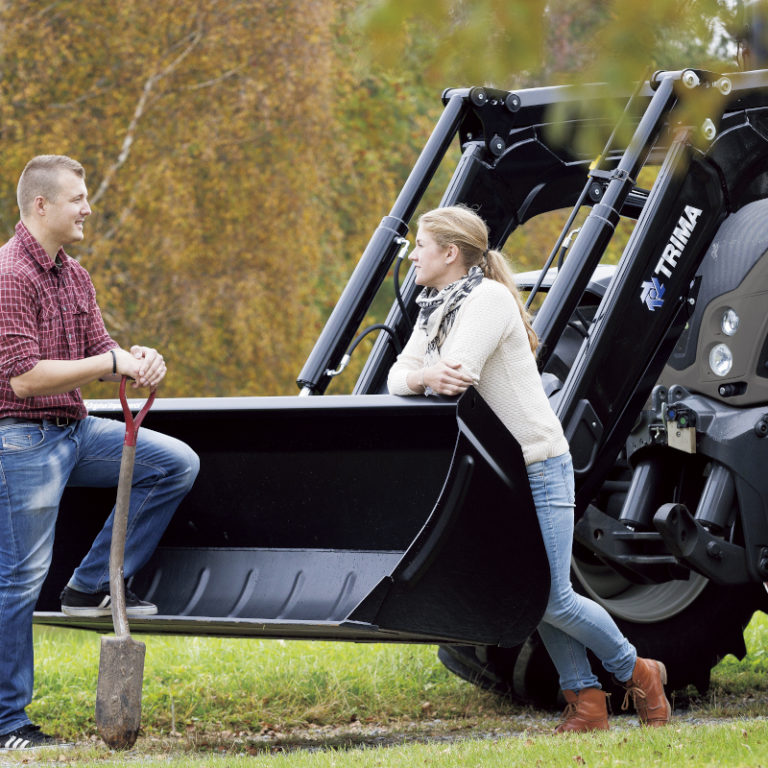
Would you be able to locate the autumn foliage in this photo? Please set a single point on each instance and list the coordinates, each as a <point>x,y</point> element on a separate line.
<point>226,204</point>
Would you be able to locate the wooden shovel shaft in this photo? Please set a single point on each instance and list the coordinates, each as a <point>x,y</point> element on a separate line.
<point>117,547</point>
<point>121,661</point>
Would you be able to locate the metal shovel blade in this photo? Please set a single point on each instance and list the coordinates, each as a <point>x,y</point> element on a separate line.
<point>118,692</point>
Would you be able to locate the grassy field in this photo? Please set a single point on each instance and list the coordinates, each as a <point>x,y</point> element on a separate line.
<point>272,702</point>
<point>743,743</point>
<point>209,685</point>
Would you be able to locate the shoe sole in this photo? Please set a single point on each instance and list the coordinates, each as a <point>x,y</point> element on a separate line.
<point>90,612</point>
<point>85,612</point>
<point>30,747</point>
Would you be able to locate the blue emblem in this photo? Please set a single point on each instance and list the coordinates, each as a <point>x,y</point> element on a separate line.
<point>652,294</point>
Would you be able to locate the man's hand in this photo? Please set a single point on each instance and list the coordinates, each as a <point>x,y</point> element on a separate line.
<point>143,364</point>
<point>446,377</point>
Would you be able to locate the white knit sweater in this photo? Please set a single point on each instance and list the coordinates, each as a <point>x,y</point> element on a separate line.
<point>488,338</point>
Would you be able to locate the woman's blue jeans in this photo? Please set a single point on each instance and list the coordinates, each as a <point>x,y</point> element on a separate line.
<point>572,623</point>
<point>36,463</point>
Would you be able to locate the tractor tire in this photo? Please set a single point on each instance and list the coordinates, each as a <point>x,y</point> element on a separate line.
<point>689,639</point>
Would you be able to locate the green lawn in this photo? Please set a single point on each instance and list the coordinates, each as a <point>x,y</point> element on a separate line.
<point>736,743</point>
<point>211,701</point>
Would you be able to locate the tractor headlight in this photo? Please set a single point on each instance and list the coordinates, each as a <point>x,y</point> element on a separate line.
<point>729,322</point>
<point>720,359</point>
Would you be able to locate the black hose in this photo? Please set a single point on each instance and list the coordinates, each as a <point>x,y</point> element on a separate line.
<point>376,327</point>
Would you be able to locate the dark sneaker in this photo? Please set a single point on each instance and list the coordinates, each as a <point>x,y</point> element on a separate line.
<point>30,737</point>
<point>82,604</point>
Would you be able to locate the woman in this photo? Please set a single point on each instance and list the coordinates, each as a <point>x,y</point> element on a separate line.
<point>474,330</point>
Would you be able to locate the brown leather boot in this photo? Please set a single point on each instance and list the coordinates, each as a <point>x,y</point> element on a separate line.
<point>585,711</point>
<point>646,688</point>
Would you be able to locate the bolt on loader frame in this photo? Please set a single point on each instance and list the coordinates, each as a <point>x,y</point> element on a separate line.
<point>372,517</point>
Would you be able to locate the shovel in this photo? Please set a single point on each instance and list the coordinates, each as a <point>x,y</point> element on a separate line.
<point>121,664</point>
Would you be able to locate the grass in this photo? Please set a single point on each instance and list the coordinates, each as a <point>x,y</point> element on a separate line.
<point>740,743</point>
<point>739,687</point>
<point>210,701</point>
<point>212,684</point>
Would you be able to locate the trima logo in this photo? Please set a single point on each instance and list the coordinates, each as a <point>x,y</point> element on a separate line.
<point>652,294</point>
<point>653,291</point>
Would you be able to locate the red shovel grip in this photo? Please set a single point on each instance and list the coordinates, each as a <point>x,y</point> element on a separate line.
<point>132,424</point>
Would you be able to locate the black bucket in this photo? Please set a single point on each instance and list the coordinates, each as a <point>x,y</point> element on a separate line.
<point>340,517</point>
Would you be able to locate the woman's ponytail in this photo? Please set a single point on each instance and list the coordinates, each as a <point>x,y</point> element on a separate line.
<point>495,267</point>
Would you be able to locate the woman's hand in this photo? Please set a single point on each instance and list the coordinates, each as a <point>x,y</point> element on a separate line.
<point>446,377</point>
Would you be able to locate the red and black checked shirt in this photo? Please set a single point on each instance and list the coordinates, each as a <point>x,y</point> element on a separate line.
<point>46,313</point>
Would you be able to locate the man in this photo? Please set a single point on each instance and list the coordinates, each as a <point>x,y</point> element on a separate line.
<point>52,342</point>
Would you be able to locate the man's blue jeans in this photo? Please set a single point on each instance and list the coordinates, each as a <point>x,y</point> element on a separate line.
<point>36,463</point>
<point>572,623</point>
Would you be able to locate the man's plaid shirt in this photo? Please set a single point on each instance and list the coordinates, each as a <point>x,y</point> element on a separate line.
<point>47,312</point>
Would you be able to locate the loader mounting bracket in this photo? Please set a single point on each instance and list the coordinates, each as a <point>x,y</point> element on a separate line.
<point>640,556</point>
<point>688,540</point>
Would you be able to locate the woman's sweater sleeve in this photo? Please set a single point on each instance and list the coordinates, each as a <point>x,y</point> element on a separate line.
<point>410,359</point>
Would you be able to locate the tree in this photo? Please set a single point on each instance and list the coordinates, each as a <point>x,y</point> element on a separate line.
<point>515,43</point>
<point>526,43</point>
<point>205,130</point>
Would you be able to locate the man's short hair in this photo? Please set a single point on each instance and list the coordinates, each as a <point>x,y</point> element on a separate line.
<point>41,177</point>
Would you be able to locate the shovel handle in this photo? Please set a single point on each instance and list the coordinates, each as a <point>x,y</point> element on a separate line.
<point>132,424</point>
<point>120,520</point>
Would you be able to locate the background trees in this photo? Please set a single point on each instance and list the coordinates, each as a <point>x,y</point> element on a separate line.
<point>240,152</point>
<point>204,127</point>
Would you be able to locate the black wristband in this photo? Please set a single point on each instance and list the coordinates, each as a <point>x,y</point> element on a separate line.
<point>114,361</point>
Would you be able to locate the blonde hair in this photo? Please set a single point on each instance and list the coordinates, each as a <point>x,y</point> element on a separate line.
<point>460,226</point>
<point>41,177</point>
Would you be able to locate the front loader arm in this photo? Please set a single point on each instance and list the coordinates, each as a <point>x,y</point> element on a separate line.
<point>511,169</point>
<point>645,308</point>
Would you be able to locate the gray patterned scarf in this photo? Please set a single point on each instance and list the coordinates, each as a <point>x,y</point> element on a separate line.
<point>439,308</point>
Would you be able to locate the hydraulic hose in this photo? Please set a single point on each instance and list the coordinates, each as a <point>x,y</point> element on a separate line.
<point>360,336</point>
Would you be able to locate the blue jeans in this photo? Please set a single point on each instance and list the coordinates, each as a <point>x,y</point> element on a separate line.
<point>36,463</point>
<point>572,623</point>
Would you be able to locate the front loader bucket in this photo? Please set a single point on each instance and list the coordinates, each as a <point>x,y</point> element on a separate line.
<point>346,517</point>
